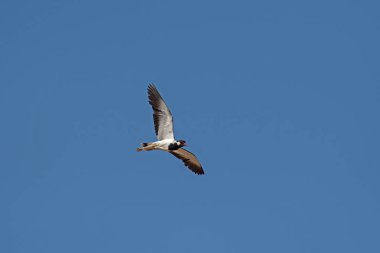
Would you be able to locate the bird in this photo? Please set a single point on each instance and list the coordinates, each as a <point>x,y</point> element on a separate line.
<point>163,125</point>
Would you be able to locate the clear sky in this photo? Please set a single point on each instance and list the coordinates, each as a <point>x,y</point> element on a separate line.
<point>278,99</point>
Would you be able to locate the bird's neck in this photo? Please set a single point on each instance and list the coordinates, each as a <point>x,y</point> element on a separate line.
<point>174,146</point>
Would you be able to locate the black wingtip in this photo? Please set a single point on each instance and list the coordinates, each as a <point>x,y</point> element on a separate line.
<point>199,172</point>
<point>151,86</point>
<point>152,91</point>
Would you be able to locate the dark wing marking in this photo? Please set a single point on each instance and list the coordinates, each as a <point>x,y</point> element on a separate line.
<point>162,117</point>
<point>189,159</point>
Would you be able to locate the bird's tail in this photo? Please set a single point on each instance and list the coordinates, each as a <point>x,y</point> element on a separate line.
<point>143,146</point>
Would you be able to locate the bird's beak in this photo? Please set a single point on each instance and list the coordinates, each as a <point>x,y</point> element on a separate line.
<point>185,144</point>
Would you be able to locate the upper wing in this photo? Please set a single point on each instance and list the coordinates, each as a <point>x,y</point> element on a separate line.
<point>163,119</point>
<point>189,159</point>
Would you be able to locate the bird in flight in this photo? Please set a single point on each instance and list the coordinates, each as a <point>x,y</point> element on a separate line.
<point>163,124</point>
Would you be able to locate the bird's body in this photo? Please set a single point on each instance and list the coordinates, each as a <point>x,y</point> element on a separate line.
<point>163,123</point>
<point>166,144</point>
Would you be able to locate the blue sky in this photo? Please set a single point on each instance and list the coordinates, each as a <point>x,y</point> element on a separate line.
<point>278,99</point>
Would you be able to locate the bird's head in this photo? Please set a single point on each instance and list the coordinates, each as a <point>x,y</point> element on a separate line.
<point>181,143</point>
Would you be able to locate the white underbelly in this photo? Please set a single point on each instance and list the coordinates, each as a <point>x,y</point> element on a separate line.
<point>163,143</point>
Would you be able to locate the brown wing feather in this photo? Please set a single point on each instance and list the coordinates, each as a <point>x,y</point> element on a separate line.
<point>189,159</point>
<point>162,117</point>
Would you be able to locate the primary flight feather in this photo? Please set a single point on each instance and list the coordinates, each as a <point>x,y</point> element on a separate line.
<point>163,125</point>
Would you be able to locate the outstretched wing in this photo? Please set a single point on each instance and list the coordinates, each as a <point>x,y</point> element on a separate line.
<point>162,117</point>
<point>189,159</point>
